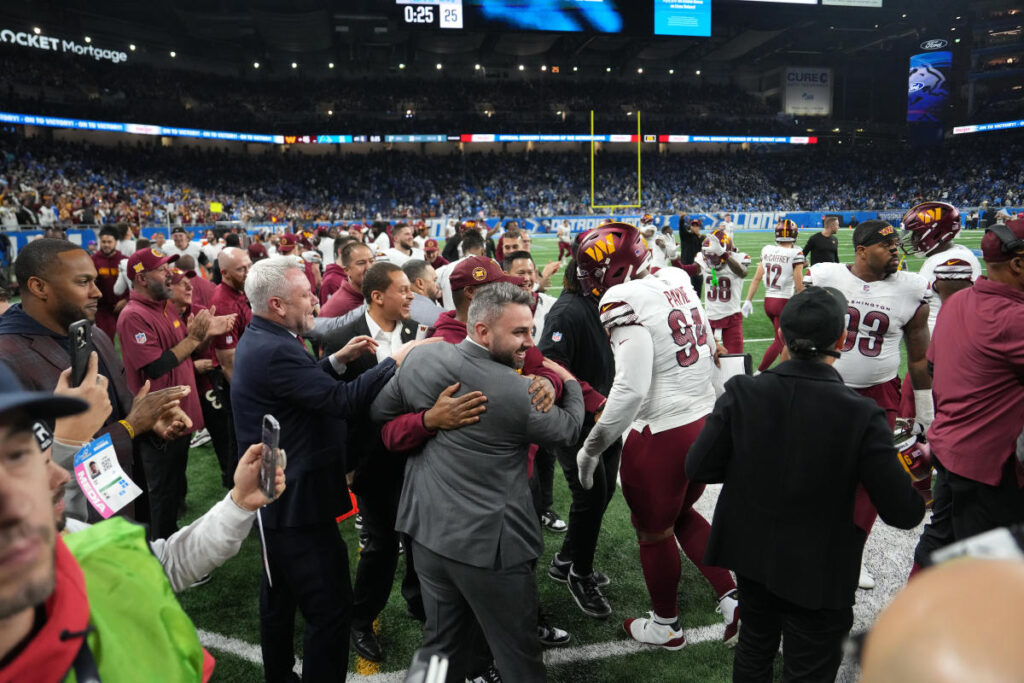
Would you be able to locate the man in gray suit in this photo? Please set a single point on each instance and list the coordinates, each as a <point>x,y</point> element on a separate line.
<point>466,502</point>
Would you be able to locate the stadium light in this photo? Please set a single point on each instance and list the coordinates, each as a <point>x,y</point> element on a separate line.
<point>36,30</point>
<point>173,54</point>
<point>132,47</point>
<point>330,112</point>
<point>522,67</point>
<point>575,68</point>
<point>88,39</point>
<point>330,65</point>
<point>439,66</point>
<point>295,65</point>
<point>543,67</point>
<point>401,66</point>
<point>697,72</point>
<point>476,67</point>
<point>640,70</point>
<point>255,65</point>
<point>608,69</point>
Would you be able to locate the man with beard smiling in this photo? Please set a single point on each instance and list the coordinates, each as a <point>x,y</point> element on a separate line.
<point>466,503</point>
<point>157,347</point>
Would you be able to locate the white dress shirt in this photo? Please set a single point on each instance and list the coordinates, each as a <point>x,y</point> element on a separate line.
<point>387,342</point>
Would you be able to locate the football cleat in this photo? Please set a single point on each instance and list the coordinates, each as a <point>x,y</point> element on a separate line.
<point>647,630</point>
<point>729,608</point>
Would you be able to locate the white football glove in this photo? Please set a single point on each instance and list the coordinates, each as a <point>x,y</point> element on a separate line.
<point>747,308</point>
<point>587,465</point>
<point>924,408</point>
<point>714,247</point>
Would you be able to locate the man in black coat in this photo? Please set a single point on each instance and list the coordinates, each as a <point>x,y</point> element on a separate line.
<point>784,518</point>
<point>377,473</point>
<point>690,242</point>
<point>307,561</point>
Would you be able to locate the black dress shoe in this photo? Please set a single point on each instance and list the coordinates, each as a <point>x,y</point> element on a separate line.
<point>414,610</point>
<point>366,645</point>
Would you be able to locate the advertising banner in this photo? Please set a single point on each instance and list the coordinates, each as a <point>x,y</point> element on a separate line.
<point>928,84</point>
<point>808,91</point>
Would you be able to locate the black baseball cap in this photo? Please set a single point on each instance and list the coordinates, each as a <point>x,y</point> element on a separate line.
<point>873,232</point>
<point>178,229</point>
<point>41,405</point>
<point>816,315</point>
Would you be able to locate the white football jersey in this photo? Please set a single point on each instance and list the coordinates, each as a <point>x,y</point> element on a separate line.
<point>877,312</point>
<point>957,251</point>
<point>779,264</point>
<point>564,233</point>
<point>666,305</point>
<point>398,257</point>
<point>725,299</point>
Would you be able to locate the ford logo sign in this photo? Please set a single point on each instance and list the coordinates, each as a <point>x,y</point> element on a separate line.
<point>914,87</point>
<point>936,44</point>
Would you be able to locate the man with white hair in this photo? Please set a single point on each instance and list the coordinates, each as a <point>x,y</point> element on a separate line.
<point>306,558</point>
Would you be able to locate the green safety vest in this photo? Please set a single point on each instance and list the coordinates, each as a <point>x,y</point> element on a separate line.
<point>140,632</point>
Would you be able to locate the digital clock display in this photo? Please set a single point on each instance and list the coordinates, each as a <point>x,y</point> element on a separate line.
<point>440,13</point>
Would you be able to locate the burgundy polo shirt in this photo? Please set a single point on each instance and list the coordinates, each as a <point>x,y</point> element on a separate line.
<point>344,300</point>
<point>203,379</point>
<point>334,278</point>
<point>147,328</point>
<point>978,353</point>
<point>202,290</point>
<point>229,300</point>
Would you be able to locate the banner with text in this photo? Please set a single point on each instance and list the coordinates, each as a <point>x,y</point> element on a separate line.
<point>808,91</point>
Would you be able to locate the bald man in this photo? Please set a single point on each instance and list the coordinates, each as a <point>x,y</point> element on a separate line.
<point>960,621</point>
<point>229,297</point>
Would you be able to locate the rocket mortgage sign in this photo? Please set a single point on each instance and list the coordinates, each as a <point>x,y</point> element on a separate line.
<point>40,42</point>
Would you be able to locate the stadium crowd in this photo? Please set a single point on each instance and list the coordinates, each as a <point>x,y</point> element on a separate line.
<point>47,182</point>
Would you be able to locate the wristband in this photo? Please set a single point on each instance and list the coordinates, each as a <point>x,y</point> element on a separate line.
<point>128,428</point>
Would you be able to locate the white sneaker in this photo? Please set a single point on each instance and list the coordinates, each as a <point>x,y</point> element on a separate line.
<point>866,581</point>
<point>729,608</point>
<point>647,630</point>
<point>200,438</point>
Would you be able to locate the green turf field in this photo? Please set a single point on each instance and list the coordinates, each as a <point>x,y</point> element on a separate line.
<point>226,609</point>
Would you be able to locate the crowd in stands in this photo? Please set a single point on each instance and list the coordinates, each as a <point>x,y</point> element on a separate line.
<point>46,182</point>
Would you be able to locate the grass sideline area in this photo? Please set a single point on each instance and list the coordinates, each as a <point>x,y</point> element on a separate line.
<point>226,610</point>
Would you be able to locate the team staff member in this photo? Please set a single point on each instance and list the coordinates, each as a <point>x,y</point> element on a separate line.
<point>157,348</point>
<point>823,247</point>
<point>690,243</point>
<point>230,298</point>
<point>378,475</point>
<point>334,274</point>
<point>356,259</point>
<point>307,558</point>
<point>107,261</point>
<point>978,355</point>
<point>780,498</point>
<point>574,337</point>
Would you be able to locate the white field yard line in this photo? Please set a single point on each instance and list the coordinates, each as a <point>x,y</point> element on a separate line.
<point>554,657</point>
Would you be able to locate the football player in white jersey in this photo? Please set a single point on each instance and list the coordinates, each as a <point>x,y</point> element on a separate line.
<point>404,249</point>
<point>564,240</point>
<point>782,269</point>
<point>886,305</point>
<point>664,357</point>
<point>723,269</point>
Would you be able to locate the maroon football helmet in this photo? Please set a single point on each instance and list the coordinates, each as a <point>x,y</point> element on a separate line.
<point>724,240</point>
<point>914,454</point>
<point>786,230</point>
<point>610,255</point>
<point>928,226</point>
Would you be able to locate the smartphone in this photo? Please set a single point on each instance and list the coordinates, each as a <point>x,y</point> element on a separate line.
<point>271,450</point>
<point>80,338</point>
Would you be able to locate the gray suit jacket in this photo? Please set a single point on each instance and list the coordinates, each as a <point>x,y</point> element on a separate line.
<point>466,496</point>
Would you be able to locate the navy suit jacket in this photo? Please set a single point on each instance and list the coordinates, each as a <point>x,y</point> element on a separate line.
<point>275,374</point>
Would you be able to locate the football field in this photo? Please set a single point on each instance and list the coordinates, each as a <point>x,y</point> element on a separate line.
<point>226,610</point>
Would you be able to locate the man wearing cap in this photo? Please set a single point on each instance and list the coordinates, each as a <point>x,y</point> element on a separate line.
<point>334,274</point>
<point>213,390</point>
<point>202,289</point>
<point>789,486</point>
<point>182,244</point>
<point>157,348</point>
<point>229,297</point>
<point>356,259</point>
<point>257,252</point>
<point>977,354</point>
<point>690,243</point>
<point>472,246</point>
<point>432,254</point>
<point>299,245</point>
